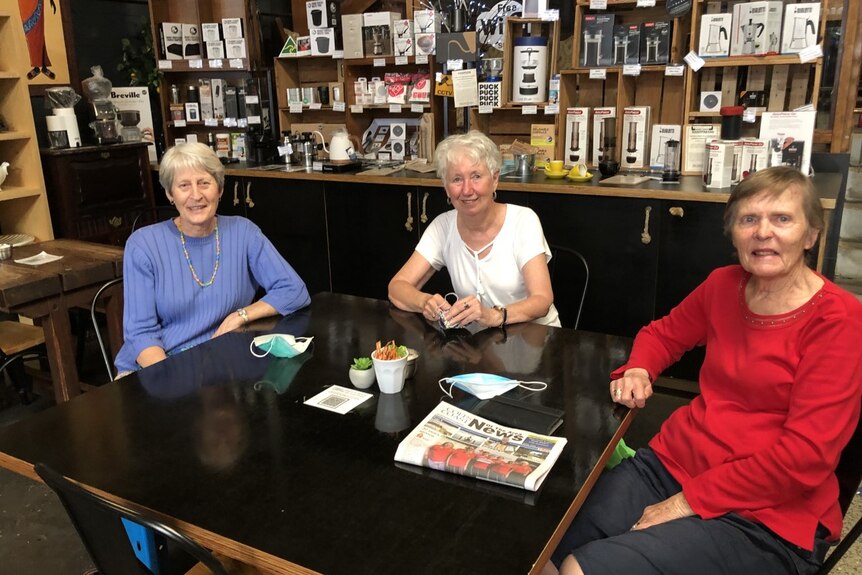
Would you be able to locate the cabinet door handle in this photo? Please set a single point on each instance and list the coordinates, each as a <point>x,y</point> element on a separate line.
<point>236,193</point>
<point>408,224</point>
<point>645,237</point>
<point>677,211</point>
<point>248,201</point>
<point>424,217</point>
<point>116,221</point>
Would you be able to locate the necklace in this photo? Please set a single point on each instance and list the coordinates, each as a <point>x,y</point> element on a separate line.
<point>189,260</point>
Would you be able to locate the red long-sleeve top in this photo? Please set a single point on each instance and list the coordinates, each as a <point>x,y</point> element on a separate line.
<point>780,398</point>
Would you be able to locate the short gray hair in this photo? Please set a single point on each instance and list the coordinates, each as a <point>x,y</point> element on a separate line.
<point>474,145</point>
<point>193,155</point>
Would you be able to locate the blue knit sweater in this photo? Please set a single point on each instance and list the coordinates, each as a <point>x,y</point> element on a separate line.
<point>165,307</point>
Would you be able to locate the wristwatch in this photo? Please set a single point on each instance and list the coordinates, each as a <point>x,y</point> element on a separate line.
<point>505,314</point>
<point>243,314</point>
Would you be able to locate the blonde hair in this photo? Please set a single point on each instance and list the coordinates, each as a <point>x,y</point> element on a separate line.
<point>194,155</point>
<point>473,145</point>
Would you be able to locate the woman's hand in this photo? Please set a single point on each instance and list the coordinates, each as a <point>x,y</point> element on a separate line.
<point>633,388</point>
<point>433,305</point>
<point>675,507</point>
<point>231,322</point>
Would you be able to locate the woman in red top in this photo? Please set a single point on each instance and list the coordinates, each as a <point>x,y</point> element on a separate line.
<point>742,479</point>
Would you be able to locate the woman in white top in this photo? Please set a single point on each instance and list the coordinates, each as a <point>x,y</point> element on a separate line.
<point>496,253</point>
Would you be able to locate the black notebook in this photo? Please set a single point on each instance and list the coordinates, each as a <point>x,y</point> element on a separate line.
<point>520,414</point>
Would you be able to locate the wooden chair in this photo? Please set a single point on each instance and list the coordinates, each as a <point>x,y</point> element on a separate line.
<point>19,341</point>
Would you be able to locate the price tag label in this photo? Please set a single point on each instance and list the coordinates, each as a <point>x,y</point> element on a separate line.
<point>551,109</point>
<point>338,55</point>
<point>338,106</point>
<point>674,70</point>
<point>379,62</point>
<point>179,123</point>
<point>531,110</point>
<point>598,73</point>
<point>549,15</point>
<point>317,166</point>
<point>211,122</point>
<point>394,108</point>
<point>356,109</point>
<point>749,116</point>
<point>296,107</point>
<point>632,70</point>
<point>236,63</point>
<point>454,65</point>
<point>694,61</point>
<point>421,58</point>
<point>314,106</point>
<point>217,63</point>
<point>810,53</point>
<point>243,122</point>
<point>199,64</point>
<point>230,122</point>
<point>417,108</point>
<point>486,108</point>
<point>645,3</point>
<point>252,120</point>
<point>252,99</point>
<point>598,4</point>
<point>401,61</point>
<point>165,64</point>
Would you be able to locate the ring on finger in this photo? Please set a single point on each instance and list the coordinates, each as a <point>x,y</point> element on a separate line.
<point>618,392</point>
<point>466,305</point>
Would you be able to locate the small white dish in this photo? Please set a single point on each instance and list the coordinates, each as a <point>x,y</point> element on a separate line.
<point>361,378</point>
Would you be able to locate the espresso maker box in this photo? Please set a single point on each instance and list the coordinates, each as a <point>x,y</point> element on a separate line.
<point>755,155</point>
<point>718,163</point>
<point>577,142</point>
<point>635,130</point>
<point>801,24</point>
<point>661,134</point>
<point>655,42</point>
<point>597,46</point>
<point>604,134</point>
<point>172,40</point>
<point>756,28</point>
<point>715,35</point>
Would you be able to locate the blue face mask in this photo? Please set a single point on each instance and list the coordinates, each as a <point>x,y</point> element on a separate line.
<point>279,345</point>
<point>487,385</point>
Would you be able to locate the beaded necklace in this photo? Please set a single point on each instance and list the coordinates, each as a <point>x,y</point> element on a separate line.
<point>189,260</point>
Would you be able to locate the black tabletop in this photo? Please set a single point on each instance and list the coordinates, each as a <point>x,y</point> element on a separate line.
<point>222,441</point>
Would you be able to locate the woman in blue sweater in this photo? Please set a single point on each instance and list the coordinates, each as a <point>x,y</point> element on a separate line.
<point>194,277</point>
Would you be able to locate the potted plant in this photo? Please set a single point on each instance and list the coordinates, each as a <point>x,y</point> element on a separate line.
<point>361,375</point>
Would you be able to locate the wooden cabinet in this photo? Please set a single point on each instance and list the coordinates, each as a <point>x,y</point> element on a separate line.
<point>23,202</point>
<point>96,192</point>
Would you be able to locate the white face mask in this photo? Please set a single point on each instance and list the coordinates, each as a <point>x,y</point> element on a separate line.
<point>279,345</point>
<point>487,385</point>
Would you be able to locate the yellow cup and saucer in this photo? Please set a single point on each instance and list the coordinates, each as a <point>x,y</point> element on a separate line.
<point>555,169</point>
<point>579,174</point>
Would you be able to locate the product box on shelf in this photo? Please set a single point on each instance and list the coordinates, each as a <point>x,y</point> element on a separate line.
<point>635,130</point>
<point>426,21</point>
<point>577,142</point>
<point>217,85</point>
<point>172,40</point>
<point>378,29</point>
<point>655,42</point>
<point>756,28</point>
<point>801,25</point>
<point>604,133</point>
<point>215,50</point>
<point>633,49</point>
<point>235,48</point>
<point>351,24</point>
<point>315,11</point>
<point>231,28</point>
<point>206,100</point>
<point>694,145</point>
<point>718,163</point>
<point>755,155</point>
<point>303,46</point>
<point>191,42</point>
<point>426,43</point>
<point>403,29</point>
<point>542,138</point>
<point>403,46</point>
<point>597,46</point>
<point>322,41</point>
<point>210,32</point>
<point>230,106</point>
<point>715,35</point>
<point>661,134</point>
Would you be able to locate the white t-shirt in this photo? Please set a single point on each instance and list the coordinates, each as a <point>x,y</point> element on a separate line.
<point>495,279</point>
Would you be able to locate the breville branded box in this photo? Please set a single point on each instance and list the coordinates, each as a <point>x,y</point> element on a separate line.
<point>604,132</point>
<point>577,143</point>
<point>755,155</point>
<point>715,35</point>
<point>635,139</point>
<point>597,45</point>
<point>661,134</point>
<point>718,164</point>
<point>351,24</point>
<point>756,28</point>
<point>801,24</point>
<point>172,40</point>
<point>191,42</point>
<point>655,42</point>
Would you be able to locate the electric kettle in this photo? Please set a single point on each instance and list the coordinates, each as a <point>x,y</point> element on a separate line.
<point>340,147</point>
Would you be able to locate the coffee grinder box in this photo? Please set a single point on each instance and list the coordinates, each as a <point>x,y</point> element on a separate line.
<point>378,30</point>
<point>756,28</point>
<point>801,24</point>
<point>604,133</point>
<point>635,130</point>
<point>633,49</point>
<point>577,142</point>
<point>322,41</point>
<point>172,40</point>
<point>542,138</point>
<point>217,85</point>
<point>755,155</point>
<point>655,42</point>
<point>191,42</point>
<point>661,133</point>
<point>718,164</point>
<point>351,24</point>
<point>715,35</point>
<point>597,46</point>
<point>231,28</point>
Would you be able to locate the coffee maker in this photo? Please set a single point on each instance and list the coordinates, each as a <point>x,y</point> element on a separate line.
<point>750,33</point>
<point>130,120</point>
<point>97,89</point>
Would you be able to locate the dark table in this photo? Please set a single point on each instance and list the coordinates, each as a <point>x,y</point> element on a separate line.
<point>220,445</point>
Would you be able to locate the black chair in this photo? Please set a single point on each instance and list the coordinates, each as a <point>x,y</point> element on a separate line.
<point>570,275</point>
<point>20,342</point>
<point>99,522</point>
<point>153,215</point>
<point>94,305</point>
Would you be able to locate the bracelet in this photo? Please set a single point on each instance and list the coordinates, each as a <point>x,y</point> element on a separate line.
<point>243,314</point>
<point>505,314</point>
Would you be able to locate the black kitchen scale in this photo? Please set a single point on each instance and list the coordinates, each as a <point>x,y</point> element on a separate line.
<point>340,166</point>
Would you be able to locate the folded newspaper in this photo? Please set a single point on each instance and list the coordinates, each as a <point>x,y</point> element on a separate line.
<point>451,439</point>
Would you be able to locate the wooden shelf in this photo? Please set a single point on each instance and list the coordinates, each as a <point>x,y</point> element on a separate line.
<point>774,60</point>
<point>14,135</point>
<point>17,192</point>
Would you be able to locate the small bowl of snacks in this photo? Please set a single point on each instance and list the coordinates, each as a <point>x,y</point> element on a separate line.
<point>390,366</point>
<point>412,356</point>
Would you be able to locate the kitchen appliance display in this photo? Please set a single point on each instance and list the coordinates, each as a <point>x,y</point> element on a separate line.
<point>530,73</point>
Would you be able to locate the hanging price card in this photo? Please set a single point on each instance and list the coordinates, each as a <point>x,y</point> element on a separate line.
<point>217,63</point>
<point>338,106</point>
<point>401,61</point>
<point>598,73</point>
